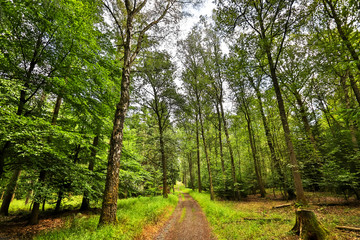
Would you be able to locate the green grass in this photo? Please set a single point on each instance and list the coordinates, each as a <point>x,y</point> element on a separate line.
<point>183,213</point>
<point>133,215</point>
<point>229,220</point>
<point>18,206</point>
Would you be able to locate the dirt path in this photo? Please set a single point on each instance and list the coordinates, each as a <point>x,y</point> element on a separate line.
<point>187,222</point>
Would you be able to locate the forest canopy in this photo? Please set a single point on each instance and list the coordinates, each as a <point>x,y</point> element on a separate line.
<point>107,100</point>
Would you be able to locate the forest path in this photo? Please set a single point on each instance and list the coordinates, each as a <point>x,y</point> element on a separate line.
<point>187,222</point>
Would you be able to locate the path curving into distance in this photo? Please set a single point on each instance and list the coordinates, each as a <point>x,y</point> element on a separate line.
<point>187,222</point>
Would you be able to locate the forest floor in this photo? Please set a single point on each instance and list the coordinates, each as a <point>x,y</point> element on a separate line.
<point>251,218</point>
<point>17,227</point>
<point>187,222</point>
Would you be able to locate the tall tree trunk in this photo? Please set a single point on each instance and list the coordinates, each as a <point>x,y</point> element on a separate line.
<point>293,161</point>
<point>212,195</point>
<point>354,166</point>
<point>228,144</point>
<point>339,25</point>
<point>34,216</point>
<point>220,142</point>
<point>274,158</point>
<point>354,87</point>
<point>350,122</point>
<point>109,205</point>
<point>306,123</point>
<point>2,157</point>
<point>9,193</point>
<point>163,161</point>
<point>254,151</point>
<point>85,205</point>
<point>191,172</point>
<point>198,153</point>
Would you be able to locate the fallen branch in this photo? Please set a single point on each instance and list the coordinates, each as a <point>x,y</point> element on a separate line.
<point>266,219</point>
<point>348,228</point>
<point>282,206</point>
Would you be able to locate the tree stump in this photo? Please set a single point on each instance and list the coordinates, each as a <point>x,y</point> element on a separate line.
<point>308,227</point>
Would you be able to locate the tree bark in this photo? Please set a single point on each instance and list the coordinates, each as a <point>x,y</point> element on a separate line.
<point>198,153</point>
<point>220,143</point>
<point>333,14</point>
<point>274,158</point>
<point>254,151</point>
<point>34,216</point>
<point>293,161</point>
<point>212,195</point>
<point>266,44</point>
<point>305,120</point>
<point>9,192</point>
<point>308,227</point>
<point>163,162</point>
<point>191,172</point>
<point>109,206</point>
<point>354,87</point>
<point>228,143</point>
<point>58,202</point>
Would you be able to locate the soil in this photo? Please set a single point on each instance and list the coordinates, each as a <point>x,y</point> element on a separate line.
<point>187,222</point>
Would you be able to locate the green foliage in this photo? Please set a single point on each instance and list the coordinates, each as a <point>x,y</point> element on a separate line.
<point>229,221</point>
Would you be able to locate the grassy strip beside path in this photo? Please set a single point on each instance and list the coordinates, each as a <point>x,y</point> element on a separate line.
<point>133,215</point>
<point>238,220</point>
<point>255,218</point>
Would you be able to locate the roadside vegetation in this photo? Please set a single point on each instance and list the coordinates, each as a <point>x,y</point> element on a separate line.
<point>133,215</point>
<point>257,219</point>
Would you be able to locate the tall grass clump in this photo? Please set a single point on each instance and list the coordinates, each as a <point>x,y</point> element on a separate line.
<point>133,215</point>
<point>243,220</point>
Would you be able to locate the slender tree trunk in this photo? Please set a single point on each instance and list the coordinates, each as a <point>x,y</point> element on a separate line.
<point>220,143</point>
<point>354,163</point>
<point>58,202</point>
<point>339,25</point>
<point>349,123</point>
<point>254,151</point>
<point>9,193</point>
<point>228,144</point>
<point>2,157</point>
<point>293,161</point>
<point>198,153</point>
<point>305,121</point>
<point>34,216</point>
<point>212,195</point>
<point>85,205</point>
<point>274,158</point>
<point>354,87</point>
<point>163,161</point>
<point>191,172</point>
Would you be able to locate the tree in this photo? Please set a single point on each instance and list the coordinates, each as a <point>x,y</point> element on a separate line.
<point>269,23</point>
<point>132,21</point>
<point>158,93</point>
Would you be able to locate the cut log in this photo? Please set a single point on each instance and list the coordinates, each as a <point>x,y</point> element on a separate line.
<point>282,206</point>
<point>308,227</point>
<point>348,228</point>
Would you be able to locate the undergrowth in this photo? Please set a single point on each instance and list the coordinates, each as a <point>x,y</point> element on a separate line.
<point>133,215</point>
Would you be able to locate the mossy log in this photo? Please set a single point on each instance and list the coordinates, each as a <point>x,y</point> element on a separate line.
<point>308,227</point>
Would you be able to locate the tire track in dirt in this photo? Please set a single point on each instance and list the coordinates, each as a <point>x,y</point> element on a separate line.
<point>187,222</point>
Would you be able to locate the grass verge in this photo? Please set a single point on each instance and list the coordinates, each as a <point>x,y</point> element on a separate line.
<point>255,219</point>
<point>238,220</point>
<point>133,215</point>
